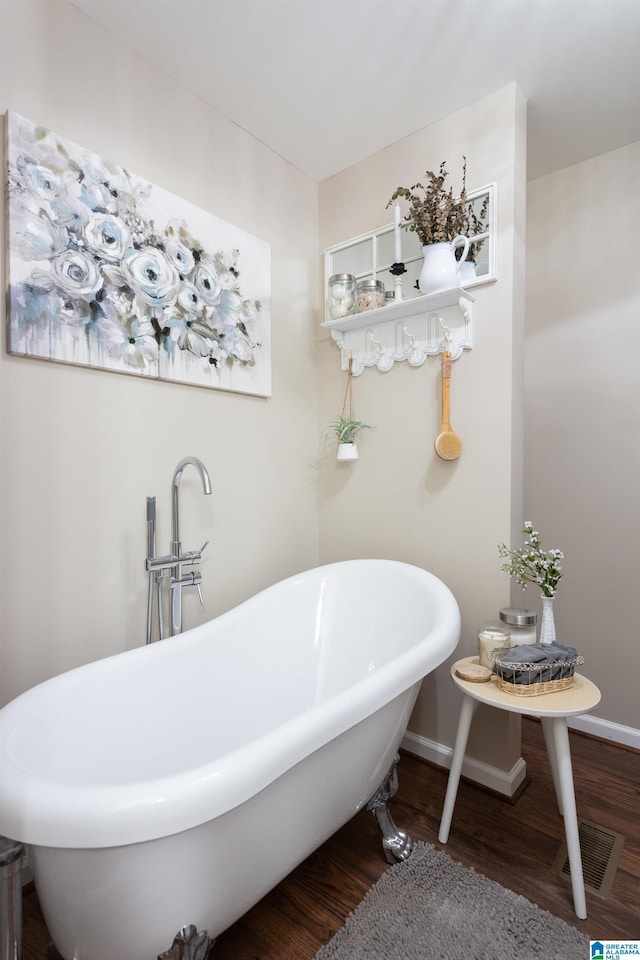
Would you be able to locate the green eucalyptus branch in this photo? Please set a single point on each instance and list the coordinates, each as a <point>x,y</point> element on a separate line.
<point>435,214</point>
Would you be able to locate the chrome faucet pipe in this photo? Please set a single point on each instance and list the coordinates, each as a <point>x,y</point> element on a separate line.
<point>170,561</point>
<point>175,560</point>
<point>175,488</point>
<point>177,581</point>
<point>151,552</point>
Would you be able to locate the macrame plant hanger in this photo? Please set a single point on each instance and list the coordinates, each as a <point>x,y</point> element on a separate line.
<point>347,449</point>
<point>348,393</point>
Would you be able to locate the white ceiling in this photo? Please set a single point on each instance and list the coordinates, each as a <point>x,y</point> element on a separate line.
<point>325,83</point>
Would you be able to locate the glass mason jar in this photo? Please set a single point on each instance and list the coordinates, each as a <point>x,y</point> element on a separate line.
<point>369,295</point>
<point>521,624</point>
<point>491,636</point>
<point>342,295</point>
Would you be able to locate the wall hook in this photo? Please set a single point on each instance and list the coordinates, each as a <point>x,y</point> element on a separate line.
<point>447,336</point>
<point>413,342</point>
<point>377,346</point>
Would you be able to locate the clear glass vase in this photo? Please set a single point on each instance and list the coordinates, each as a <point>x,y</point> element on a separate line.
<point>547,626</point>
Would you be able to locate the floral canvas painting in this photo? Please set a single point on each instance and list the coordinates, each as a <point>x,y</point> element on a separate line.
<point>108,270</point>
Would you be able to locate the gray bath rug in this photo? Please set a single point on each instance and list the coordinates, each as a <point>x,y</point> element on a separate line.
<point>432,908</point>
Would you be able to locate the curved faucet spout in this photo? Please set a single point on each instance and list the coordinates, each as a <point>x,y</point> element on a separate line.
<point>177,557</point>
<point>175,487</point>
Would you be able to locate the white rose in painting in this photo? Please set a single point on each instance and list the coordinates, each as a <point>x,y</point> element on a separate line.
<point>189,299</point>
<point>97,274</point>
<point>76,274</point>
<point>106,236</point>
<point>206,282</point>
<point>45,182</point>
<point>180,256</point>
<point>151,277</point>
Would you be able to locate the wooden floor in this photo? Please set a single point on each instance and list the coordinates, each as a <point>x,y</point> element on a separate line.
<point>513,844</point>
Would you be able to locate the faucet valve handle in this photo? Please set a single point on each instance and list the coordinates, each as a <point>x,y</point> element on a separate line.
<point>203,548</point>
<point>200,594</point>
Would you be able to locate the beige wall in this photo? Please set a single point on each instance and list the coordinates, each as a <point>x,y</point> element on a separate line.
<point>400,500</point>
<point>81,449</point>
<point>582,460</point>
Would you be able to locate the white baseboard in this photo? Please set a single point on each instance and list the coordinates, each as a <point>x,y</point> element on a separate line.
<point>501,781</point>
<point>606,730</point>
<point>508,782</point>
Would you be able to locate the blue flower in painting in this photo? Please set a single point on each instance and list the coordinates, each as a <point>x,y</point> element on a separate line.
<point>190,300</point>
<point>180,256</point>
<point>89,257</point>
<point>151,277</point>
<point>49,187</point>
<point>40,178</point>
<point>106,236</point>
<point>76,274</point>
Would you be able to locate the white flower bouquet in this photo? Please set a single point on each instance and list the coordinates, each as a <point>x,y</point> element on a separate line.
<point>532,564</point>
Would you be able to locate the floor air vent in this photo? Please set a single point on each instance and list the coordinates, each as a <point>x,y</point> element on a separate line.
<point>601,849</point>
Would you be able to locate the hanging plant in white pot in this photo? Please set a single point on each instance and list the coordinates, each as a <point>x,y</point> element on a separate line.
<point>345,427</point>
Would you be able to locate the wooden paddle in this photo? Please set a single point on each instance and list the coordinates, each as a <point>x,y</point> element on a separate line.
<point>448,444</point>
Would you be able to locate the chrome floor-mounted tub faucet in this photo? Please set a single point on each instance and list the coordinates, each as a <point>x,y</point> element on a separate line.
<point>176,559</point>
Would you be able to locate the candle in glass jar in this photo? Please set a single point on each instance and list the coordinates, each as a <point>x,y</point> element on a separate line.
<point>491,638</point>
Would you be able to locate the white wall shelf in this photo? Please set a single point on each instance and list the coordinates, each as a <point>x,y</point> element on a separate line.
<point>412,327</point>
<point>410,330</point>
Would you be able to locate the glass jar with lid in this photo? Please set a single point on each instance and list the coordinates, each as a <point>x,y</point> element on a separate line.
<point>521,624</point>
<point>369,295</point>
<point>491,636</point>
<point>342,295</point>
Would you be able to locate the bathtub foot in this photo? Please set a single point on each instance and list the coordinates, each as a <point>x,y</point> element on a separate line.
<point>10,899</point>
<point>396,843</point>
<point>189,944</point>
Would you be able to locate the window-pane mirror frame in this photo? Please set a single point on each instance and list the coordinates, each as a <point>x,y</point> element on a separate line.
<point>337,257</point>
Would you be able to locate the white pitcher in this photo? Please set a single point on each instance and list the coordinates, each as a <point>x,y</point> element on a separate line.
<point>440,270</point>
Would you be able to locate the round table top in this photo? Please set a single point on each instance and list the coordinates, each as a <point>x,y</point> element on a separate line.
<point>580,698</point>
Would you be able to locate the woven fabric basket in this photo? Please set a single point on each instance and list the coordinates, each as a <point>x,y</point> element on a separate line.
<point>528,679</point>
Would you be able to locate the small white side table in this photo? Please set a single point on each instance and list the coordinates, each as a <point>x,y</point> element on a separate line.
<point>553,710</point>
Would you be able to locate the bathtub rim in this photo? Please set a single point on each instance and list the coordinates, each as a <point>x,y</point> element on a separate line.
<point>88,816</point>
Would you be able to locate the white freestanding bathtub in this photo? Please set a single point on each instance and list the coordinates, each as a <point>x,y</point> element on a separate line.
<point>177,783</point>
